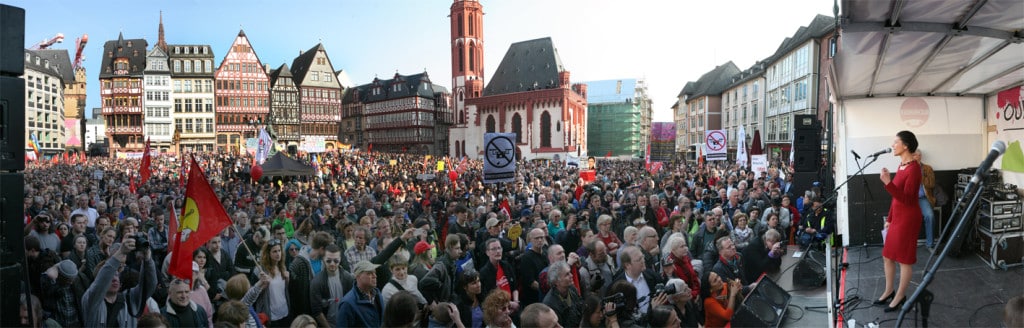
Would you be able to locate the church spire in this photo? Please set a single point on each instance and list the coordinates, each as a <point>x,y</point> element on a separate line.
<point>160,34</point>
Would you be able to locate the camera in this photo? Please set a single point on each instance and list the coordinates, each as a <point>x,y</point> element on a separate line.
<point>662,289</point>
<point>618,299</point>
<point>141,242</point>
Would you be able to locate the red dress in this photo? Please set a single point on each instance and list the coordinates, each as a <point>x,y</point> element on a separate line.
<point>904,215</point>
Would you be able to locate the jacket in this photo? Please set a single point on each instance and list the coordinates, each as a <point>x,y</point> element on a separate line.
<point>438,284</point>
<point>357,311</point>
<point>94,307</point>
<point>299,286</point>
<point>569,310</point>
<point>488,277</point>
<point>198,318</point>
<point>320,291</point>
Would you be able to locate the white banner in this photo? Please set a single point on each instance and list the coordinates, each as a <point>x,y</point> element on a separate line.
<point>741,148</point>
<point>759,164</point>
<point>263,146</point>
<point>499,157</point>
<point>716,142</point>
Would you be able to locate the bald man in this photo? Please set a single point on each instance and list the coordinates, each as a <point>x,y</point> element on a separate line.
<point>531,264</point>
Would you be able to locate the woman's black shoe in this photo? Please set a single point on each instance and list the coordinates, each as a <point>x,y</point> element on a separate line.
<point>897,307</point>
<point>886,299</point>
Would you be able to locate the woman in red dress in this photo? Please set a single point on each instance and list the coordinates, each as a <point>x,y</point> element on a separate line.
<point>903,222</point>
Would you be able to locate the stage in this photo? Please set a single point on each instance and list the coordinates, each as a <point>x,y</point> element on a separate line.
<point>968,293</point>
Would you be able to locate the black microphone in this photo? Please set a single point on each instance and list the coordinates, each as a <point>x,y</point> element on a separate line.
<point>998,148</point>
<point>883,151</point>
<point>855,156</point>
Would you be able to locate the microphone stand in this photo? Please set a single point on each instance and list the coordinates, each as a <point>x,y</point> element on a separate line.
<point>926,297</point>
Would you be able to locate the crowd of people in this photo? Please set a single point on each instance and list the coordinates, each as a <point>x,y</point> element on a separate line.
<point>381,240</point>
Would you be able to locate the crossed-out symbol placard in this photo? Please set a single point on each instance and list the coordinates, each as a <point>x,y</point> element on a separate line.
<point>500,152</point>
<point>716,140</point>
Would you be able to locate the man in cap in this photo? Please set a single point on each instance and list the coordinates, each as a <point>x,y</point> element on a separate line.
<point>493,230</point>
<point>362,306</point>
<point>58,294</point>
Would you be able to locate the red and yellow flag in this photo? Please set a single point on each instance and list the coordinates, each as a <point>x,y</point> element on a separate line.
<point>202,218</point>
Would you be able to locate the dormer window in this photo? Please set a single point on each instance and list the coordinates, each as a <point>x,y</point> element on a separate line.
<point>177,50</point>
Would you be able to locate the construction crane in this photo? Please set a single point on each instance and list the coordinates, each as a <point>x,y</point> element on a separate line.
<point>79,49</point>
<point>46,43</point>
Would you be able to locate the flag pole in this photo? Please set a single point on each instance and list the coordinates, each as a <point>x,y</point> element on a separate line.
<point>251,253</point>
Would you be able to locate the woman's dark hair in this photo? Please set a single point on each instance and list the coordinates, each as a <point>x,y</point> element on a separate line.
<point>591,304</point>
<point>396,313</point>
<point>909,139</point>
<point>467,277</point>
<point>705,286</point>
<point>658,317</point>
<point>152,320</point>
<point>628,292</point>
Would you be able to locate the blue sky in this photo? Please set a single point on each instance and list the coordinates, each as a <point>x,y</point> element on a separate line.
<point>666,43</point>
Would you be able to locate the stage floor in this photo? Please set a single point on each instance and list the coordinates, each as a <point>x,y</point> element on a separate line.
<point>968,293</point>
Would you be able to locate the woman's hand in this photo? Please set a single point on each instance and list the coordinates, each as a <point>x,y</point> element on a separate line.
<point>884,176</point>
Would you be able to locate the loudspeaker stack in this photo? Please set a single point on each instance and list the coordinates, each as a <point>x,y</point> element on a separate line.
<point>12,161</point>
<point>806,152</point>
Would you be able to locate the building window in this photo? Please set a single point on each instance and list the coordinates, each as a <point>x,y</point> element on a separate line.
<point>327,76</point>
<point>315,76</point>
<point>490,124</point>
<point>188,66</point>
<point>472,58</point>
<point>545,129</point>
<point>517,127</point>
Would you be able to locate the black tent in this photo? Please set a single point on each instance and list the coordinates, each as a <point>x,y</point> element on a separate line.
<point>280,165</point>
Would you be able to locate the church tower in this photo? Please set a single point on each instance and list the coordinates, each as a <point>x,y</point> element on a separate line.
<point>467,54</point>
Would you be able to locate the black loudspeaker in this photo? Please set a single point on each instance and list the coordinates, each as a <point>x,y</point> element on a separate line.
<point>12,124</point>
<point>802,181</point>
<point>810,271</point>
<point>10,284</point>
<point>806,122</point>
<point>806,160</point>
<point>765,306</point>
<point>12,217</point>
<point>12,40</point>
<point>806,140</point>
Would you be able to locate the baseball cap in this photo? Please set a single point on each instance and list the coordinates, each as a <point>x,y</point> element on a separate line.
<point>364,266</point>
<point>422,247</point>
<point>492,222</point>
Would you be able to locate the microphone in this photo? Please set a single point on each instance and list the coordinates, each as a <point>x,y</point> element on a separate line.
<point>998,148</point>
<point>855,156</point>
<point>883,151</point>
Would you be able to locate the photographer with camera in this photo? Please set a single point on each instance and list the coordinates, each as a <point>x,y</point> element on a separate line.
<point>598,312</point>
<point>104,304</point>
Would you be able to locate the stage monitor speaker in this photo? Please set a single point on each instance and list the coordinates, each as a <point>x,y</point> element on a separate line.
<point>806,140</point>
<point>806,122</point>
<point>12,40</point>
<point>807,160</point>
<point>12,123</point>
<point>810,271</point>
<point>765,306</point>
<point>12,214</point>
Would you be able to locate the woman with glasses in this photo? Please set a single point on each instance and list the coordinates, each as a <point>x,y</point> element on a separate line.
<point>497,309</point>
<point>273,280</point>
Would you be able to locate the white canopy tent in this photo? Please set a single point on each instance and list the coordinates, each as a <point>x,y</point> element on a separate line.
<point>933,67</point>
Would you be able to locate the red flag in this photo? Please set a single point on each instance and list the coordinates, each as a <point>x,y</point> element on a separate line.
<point>172,244</point>
<point>65,155</point>
<point>609,154</point>
<point>202,218</point>
<point>131,184</point>
<point>144,167</point>
<point>505,208</point>
<point>182,174</point>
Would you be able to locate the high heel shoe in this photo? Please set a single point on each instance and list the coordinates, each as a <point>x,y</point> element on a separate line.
<point>886,300</point>
<point>897,307</point>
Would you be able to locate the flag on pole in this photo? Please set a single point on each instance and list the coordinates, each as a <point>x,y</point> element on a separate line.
<point>263,149</point>
<point>172,225</point>
<point>144,168</point>
<point>33,142</point>
<point>202,218</point>
<point>741,148</point>
<point>65,158</point>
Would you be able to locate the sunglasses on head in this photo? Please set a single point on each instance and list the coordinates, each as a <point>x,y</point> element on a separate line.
<point>274,242</point>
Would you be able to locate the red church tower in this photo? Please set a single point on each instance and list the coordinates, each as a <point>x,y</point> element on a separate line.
<point>467,26</point>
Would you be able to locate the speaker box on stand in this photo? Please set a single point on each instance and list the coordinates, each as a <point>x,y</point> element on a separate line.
<point>12,40</point>
<point>765,306</point>
<point>12,124</point>
<point>810,271</point>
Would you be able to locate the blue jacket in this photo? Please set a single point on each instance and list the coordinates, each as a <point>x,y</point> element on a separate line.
<point>357,311</point>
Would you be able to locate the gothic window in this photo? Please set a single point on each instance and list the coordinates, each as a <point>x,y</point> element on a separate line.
<point>472,58</point>
<point>490,124</point>
<point>545,129</point>
<point>462,63</point>
<point>517,127</point>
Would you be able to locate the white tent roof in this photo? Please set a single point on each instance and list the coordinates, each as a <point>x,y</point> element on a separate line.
<point>930,48</point>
